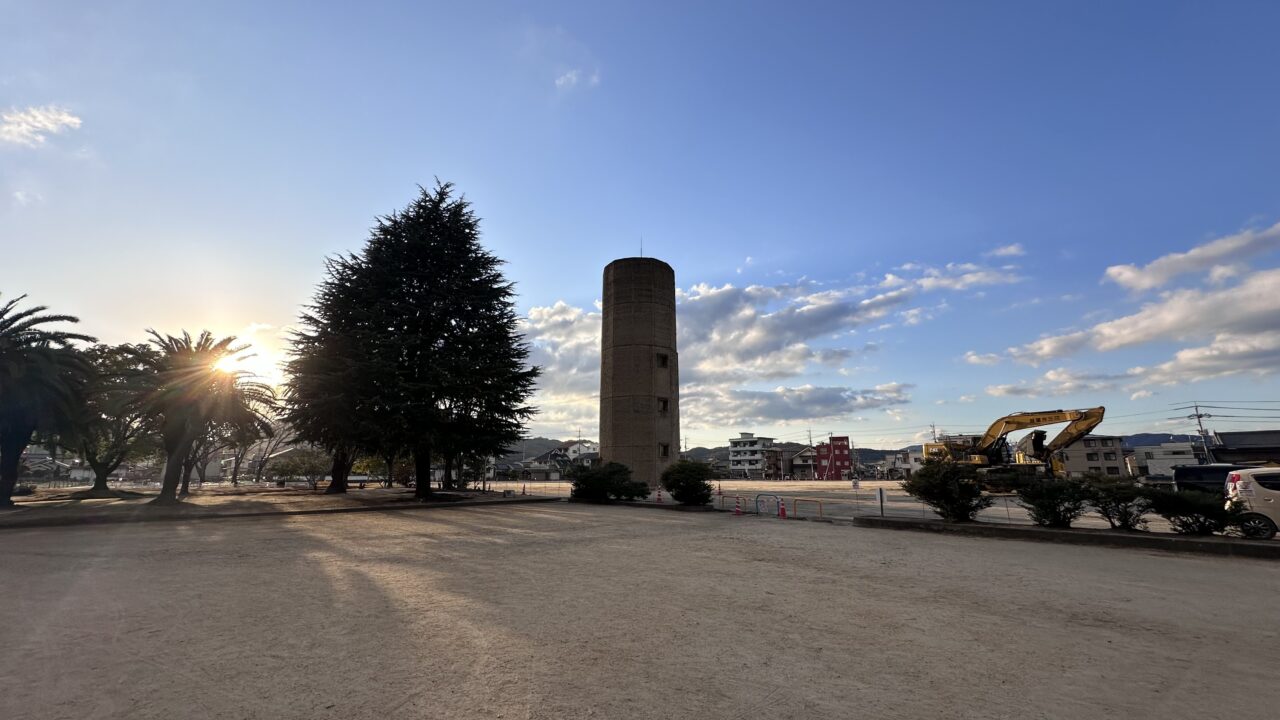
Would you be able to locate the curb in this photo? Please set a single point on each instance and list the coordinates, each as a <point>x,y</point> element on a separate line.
<point>1231,547</point>
<point>656,506</point>
<point>141,515</point>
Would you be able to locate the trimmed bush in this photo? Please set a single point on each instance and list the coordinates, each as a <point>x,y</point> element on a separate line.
<point>611,481</point>
<point>1054,503</point>
<point>25,489</point>
<point>1192,512</point>
<point>688,482</point>
<point>951,489</point>
<point>1120,501</point>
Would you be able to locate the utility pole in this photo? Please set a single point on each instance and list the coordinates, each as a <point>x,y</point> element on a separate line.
<point>933,430</point>
<point>1204,435</point>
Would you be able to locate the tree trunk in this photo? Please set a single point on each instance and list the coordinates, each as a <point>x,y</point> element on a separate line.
<point>172,477</point>
<point>11,446</point>
<point>447,482</point>
<point>422,468</point>
<point>338,473</point>
<point>391,470</point>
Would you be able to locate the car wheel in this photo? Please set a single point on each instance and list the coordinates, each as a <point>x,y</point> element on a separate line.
<point>1257,527</point>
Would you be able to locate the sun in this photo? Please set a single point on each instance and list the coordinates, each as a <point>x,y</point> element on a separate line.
<point>228,364</point>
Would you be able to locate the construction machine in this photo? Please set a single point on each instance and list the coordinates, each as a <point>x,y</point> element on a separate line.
<point>1032,453</point>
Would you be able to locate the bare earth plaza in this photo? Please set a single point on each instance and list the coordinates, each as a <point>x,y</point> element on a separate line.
<point>636,360</point>
<point>571,611</point>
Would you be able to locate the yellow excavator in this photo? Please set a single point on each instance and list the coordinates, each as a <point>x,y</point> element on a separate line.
<point>1032,452</point>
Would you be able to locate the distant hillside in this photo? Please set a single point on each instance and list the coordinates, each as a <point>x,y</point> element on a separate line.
<point>530,448</point>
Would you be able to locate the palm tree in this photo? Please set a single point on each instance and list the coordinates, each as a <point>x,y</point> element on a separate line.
<point>41,379</point>
<point>189,395</point>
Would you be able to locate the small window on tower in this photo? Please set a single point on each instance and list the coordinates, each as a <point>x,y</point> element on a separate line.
<point>663,360</point>
<point>663,404</point>
<point>664,450</point>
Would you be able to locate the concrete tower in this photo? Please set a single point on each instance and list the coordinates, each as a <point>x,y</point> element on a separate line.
<point>639,368</point>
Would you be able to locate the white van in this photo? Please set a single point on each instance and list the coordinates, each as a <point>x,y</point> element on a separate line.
<point>1258,491</point>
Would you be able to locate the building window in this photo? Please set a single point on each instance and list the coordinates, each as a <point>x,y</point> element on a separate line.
<point>663,360</point>
<point>664,450</point>
<point>1106,443</point>
<point>1065,457</point>
<point>1108,456</point>
<point>1095,469</point>
<point>663,404</point>
<point>1090,443</point>
<point>1091,456</point>
<point>1150,456</point>
<point>1113,471</point>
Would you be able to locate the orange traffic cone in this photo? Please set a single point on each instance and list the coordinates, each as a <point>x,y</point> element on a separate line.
<point>782,508</point>
<point>719,489</point>
<point>737,506</point>
<point>524,489</point>
<point>659,495</point>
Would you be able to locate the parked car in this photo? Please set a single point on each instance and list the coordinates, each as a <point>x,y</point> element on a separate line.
<point>1258,491</point>
<point>1208,478</point>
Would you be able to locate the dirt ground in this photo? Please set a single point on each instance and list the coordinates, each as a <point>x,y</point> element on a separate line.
<point>572,611</point>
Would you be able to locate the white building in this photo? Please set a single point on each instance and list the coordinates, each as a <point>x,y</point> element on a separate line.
<point>578,448</point>
<point>746,455</point>
<point>1101,454</point>
<point>1151,460</point>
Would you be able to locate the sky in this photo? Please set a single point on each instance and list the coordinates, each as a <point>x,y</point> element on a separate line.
<point>882,215</point>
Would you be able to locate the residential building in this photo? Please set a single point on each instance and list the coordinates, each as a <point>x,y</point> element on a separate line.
<point>576,449</point>
<point>1159,460</point>
<point>746,455</point>
<point>1246,446</point>
<point>803,464</point>
<point>835,459</point>
<point>774,461</point>
<point>1100,454</point>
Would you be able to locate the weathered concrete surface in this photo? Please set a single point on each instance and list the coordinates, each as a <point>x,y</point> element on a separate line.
<point>639,368</point>
<point>575,611</point>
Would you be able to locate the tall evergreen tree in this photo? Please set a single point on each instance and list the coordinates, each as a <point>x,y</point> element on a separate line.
<point>447,332</point>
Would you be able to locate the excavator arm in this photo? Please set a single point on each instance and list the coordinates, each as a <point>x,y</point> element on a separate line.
<point>1022,421</point>
<point>1079,427</point>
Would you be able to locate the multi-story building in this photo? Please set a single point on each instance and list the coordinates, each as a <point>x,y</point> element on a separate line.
<point>1100,454</point>
<point>746,455</point>
<point>1159,460</point>
<point>803,464</point>
<point>835,459</point>
<point>775,459</point>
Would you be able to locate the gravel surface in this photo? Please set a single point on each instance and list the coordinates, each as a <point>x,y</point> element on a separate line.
<point>571,611</point>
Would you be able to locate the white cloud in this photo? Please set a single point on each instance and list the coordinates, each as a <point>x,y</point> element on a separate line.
<point>32,126</point>
<point>1227,354</point>
<point>962,276</point>
<point>966,398</point>
<point>1014,250</point>
<point>1057,382</point>
<point>718,407</point>
<point>1249,306</point>
<point>1219,274</point>
<point>574,77</point>
<point>974,358</point>
<point>25,197</point>
<point>1141,394</point>
<point>1201,258</point>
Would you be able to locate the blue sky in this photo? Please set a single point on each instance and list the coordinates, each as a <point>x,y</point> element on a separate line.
<point>881,215</point>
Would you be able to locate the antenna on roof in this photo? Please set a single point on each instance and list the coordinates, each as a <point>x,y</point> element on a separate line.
<point>641,246</point>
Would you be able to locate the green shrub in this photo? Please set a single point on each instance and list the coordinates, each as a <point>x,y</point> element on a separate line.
<point>1192,512</point>
<point>688,482</point>
<point>611,481</point>
<point>1120,501</point>
<point>1003,479</point>
<point>1054,503</point>
<point>24,489</point>
<point>951,489</point>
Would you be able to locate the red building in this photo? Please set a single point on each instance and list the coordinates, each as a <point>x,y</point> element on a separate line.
<point>835,459</point>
